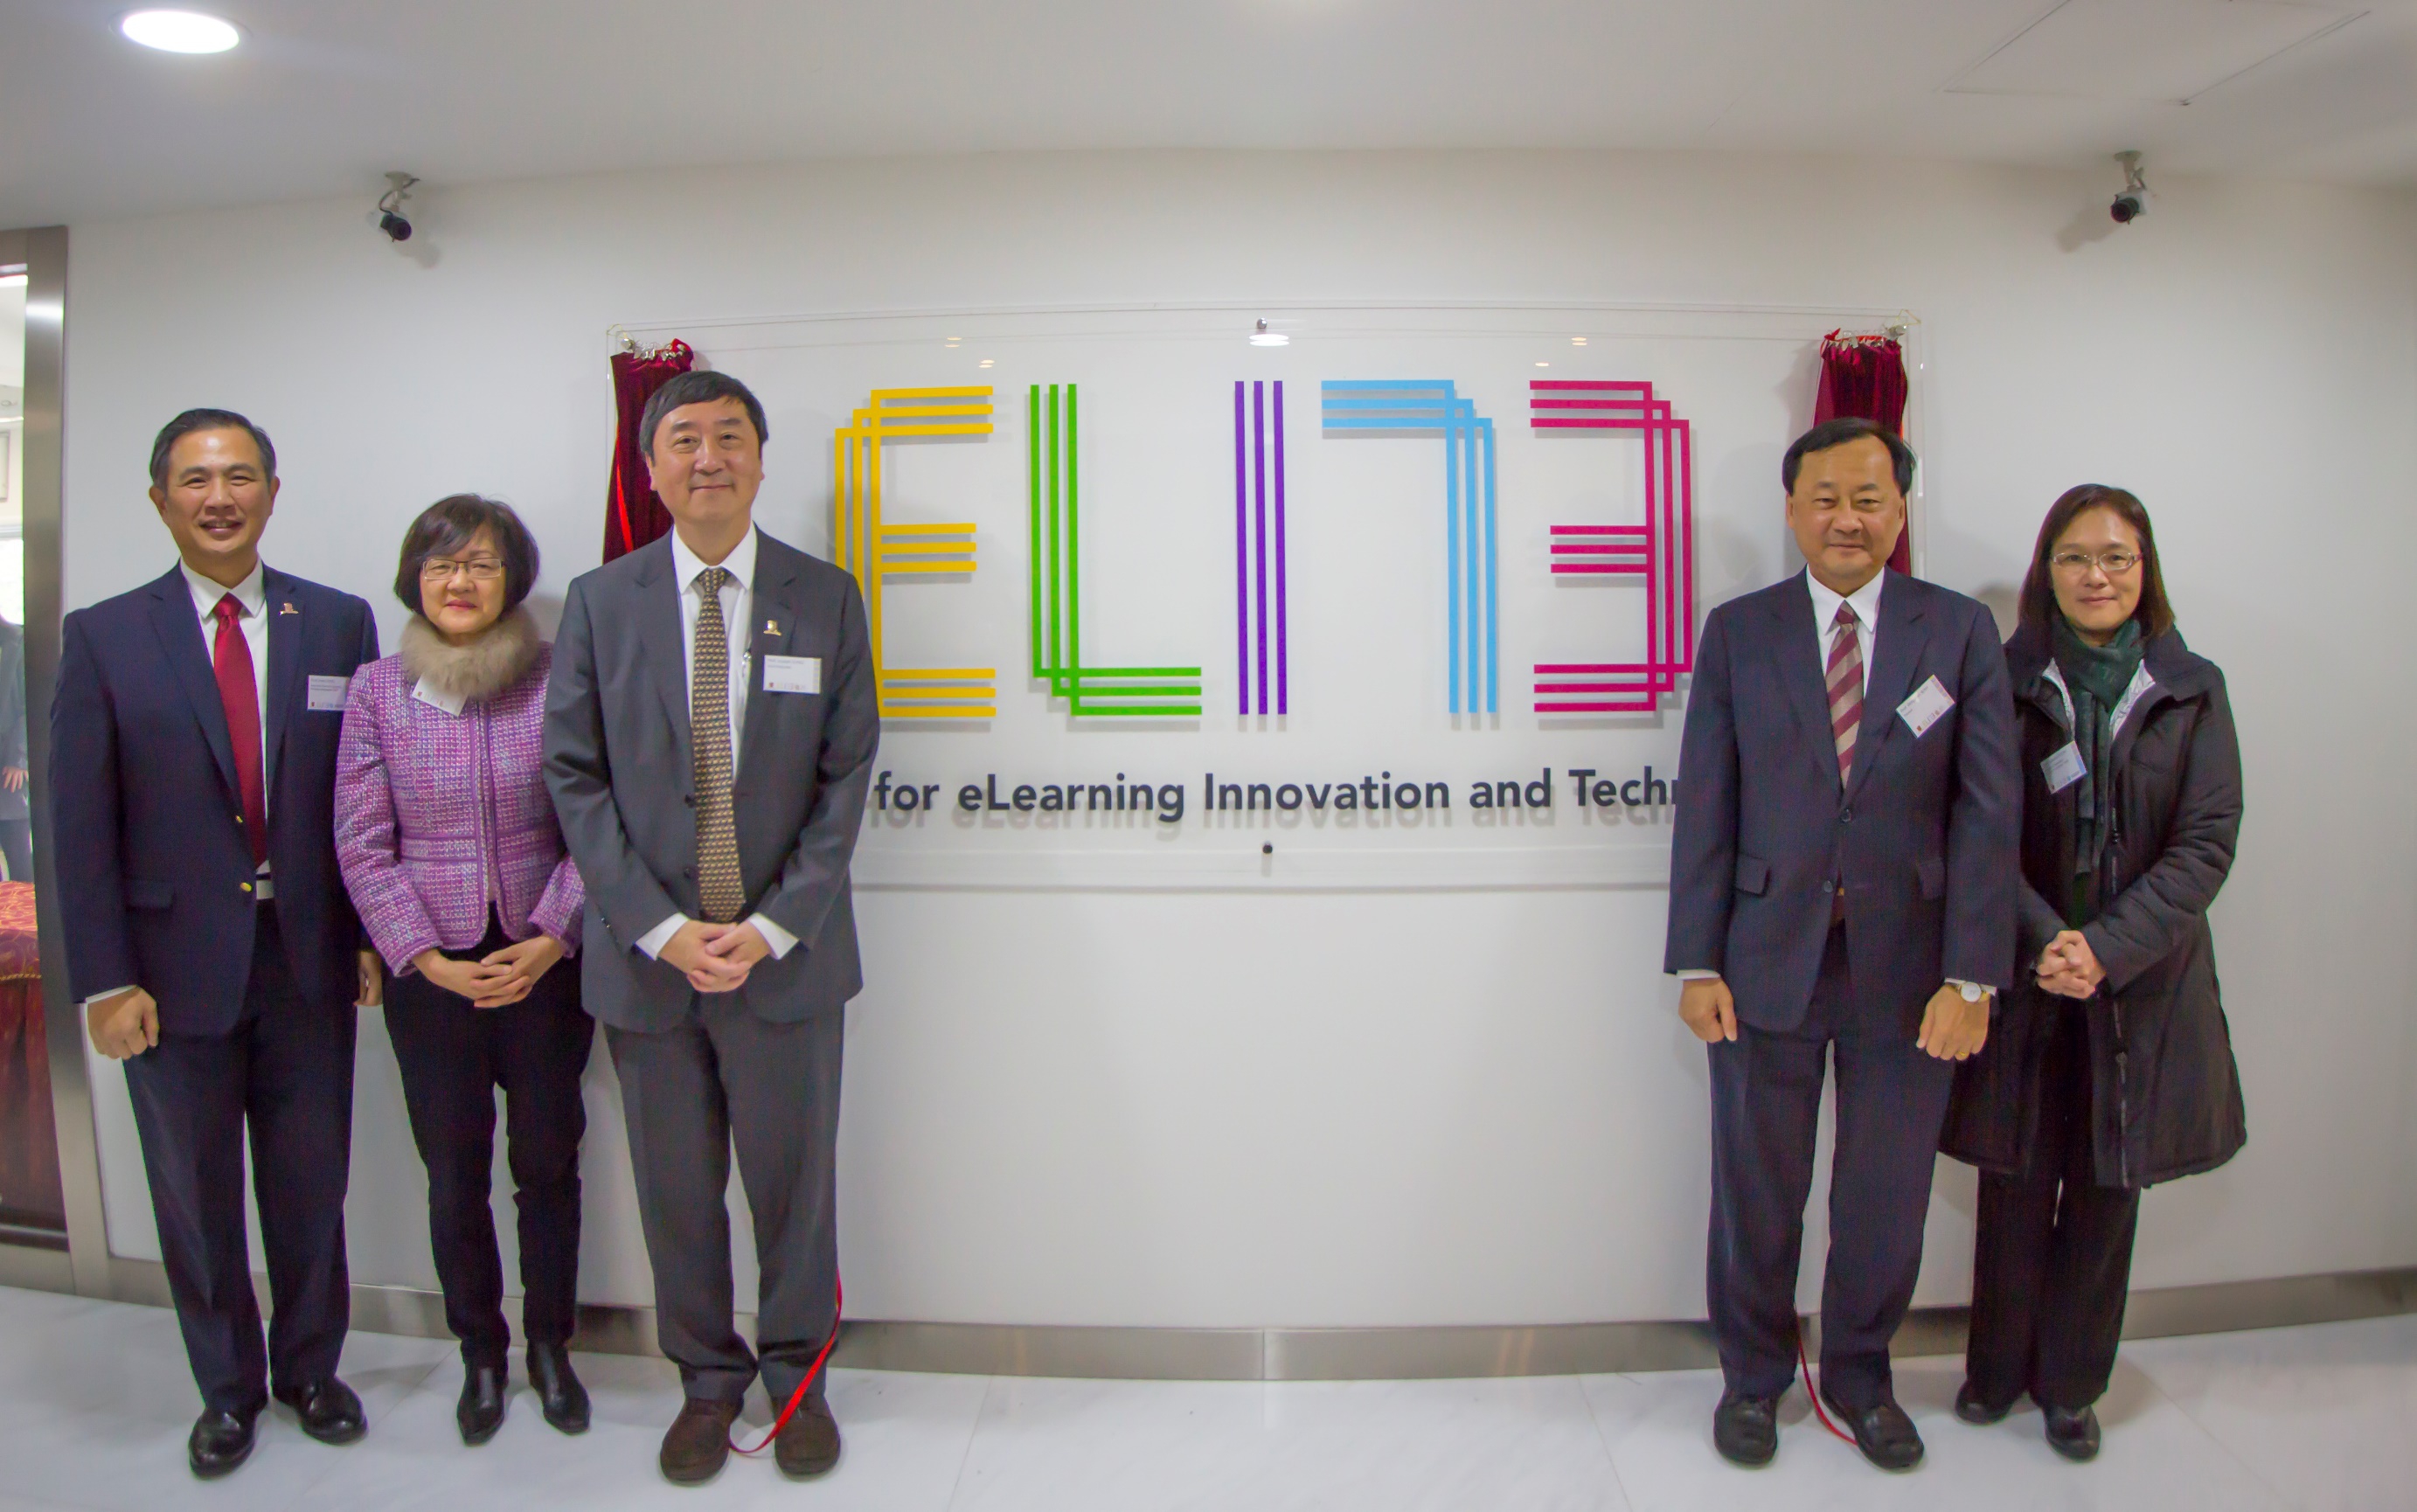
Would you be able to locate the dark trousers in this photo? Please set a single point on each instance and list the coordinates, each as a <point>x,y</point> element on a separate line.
<point>2052,1259</point>
<point>17,847</point>
<point>286,1070</point>
<point>723,1078</point>
<point>453,1058</point>
<point>1766,1105</point>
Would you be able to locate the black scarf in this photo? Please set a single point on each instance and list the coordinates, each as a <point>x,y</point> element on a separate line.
<point>2096,677</point>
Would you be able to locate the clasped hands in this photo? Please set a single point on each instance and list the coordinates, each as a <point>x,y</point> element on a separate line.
<point>1952,1029</point>
<point>497,979</point>
<point>2068,967</point>
<point>715,957</point>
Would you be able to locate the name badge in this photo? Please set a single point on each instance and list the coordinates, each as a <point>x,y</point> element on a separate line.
<point>422,693</point>
<point>793,674</point>
<point>327,694</point>
<point>2063,769</point>
<point>1922,709</point>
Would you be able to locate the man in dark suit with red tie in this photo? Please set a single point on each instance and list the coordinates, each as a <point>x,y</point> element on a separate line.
<point>1842,884</point>
<point>209,936</point>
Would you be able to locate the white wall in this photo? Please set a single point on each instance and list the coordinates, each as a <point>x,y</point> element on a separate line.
<point>1410,1108</point>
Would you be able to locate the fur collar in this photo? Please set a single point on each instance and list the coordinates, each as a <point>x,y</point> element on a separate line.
<point>487,666</point>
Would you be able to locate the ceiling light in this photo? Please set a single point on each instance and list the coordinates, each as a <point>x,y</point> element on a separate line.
<point>12,280</point>
<point>1543,364</point>
<point>1577,340</point>
<point>985,362</point>
<point>1261,336</point>
<point>179,31</point>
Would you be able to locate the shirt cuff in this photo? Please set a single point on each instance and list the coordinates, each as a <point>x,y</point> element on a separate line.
<point>650,944</point>
<point>781,940</point>
<point>1699,975</point>
<point>109,992</point>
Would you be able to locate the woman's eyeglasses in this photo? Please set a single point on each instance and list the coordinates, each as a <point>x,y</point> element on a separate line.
<point>2114,564</point>
<point>481,570</point>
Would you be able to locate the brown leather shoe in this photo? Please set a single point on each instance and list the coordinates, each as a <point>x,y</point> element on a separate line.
<point>697,1442</point>
<point>807,1443</point>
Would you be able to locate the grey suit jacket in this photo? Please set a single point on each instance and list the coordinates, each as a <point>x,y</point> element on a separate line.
<point>618,761</point>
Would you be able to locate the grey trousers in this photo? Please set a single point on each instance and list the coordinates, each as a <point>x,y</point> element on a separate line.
<point>689,1095</point>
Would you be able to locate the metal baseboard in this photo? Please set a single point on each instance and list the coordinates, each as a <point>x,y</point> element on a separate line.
<point>1326,1354</point>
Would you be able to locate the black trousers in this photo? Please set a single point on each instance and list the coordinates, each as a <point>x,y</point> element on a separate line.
<point>1766,1107</point>
<point>2052,1261</point>
<point>17,846</point>
<point>286,1070</point>
<point>453,1058</point>
<point>727,1077</point>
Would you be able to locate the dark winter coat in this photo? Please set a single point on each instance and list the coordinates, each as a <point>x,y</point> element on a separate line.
<point>2164,1092</point>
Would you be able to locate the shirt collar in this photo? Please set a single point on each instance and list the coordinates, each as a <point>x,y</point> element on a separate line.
<point>1866,601</point>
<point>739,564</point>
<point>251,593</point>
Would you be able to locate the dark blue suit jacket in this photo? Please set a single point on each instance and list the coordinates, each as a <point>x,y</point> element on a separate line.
<point>1925,836</point>
<point>152,862</point>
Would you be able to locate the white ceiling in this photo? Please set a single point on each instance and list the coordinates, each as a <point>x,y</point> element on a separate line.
<point>325,94</point>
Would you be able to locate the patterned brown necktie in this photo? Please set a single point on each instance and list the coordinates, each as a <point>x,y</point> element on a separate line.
<point>720,891</point>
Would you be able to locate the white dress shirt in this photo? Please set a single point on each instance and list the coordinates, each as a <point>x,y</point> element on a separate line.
<point>1865,601</point>
<point>738,598</point>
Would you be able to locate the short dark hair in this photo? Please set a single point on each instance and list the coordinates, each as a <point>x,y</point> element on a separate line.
<point>1837,433</point>
<point>447,525</point>
<point>192,420</point>
<point>697,386</point>
<point>2037,606</point>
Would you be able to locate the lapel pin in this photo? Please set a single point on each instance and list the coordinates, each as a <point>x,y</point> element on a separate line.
<point>771,627</point>
<point>287,608</point>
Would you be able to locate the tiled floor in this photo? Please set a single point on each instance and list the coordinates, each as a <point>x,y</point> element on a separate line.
<point>95,1403</point>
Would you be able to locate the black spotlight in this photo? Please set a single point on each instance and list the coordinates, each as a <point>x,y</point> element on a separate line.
<point>389,205</point>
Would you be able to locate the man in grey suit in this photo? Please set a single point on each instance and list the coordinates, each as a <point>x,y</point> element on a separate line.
<point>709,732</point>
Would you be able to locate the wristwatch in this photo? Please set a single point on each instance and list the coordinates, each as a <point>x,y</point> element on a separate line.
<point>1973,991</point>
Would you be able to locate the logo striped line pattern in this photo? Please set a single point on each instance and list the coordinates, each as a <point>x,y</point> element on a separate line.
<point>1089,692</point>
<point>1661,551</point>
<point>1432,407</point>
<point>873,551</point>
<point>1251,545</point>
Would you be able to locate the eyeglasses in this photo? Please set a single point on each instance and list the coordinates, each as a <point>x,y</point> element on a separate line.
<point>481,570</point>
<point>2114,564</point>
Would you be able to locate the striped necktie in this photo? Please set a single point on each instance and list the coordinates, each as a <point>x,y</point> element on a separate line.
<point>1845,680</point>
<point>719,890</point>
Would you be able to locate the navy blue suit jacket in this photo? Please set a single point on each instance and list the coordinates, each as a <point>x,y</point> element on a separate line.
<point>153,866</point>
<point>1925,835</point>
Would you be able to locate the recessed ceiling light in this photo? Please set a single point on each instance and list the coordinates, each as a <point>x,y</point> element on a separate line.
<point>179,31</point>
<point>985,362</point>
<point>1577,340</point>
<point>1261,336</point>
<point>1543,364</point>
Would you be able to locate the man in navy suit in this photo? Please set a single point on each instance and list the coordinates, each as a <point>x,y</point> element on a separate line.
<point>209,936</point>
<point>1841,883</point>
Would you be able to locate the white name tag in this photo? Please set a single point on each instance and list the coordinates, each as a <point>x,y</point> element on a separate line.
<point>327,694</point>
<point>1921,710</point>
<point>2063,769</point>
<point>422,693</point>
<point>793,674</point>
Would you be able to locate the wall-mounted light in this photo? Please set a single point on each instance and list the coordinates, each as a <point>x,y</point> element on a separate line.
<point>179,31</point>
<point>1261,336</point>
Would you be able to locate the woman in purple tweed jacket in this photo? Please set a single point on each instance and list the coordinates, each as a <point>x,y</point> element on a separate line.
<point>449,848</point>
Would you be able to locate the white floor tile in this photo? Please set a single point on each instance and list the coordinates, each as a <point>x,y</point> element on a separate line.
<point>1125,1446</point>
<point>2326,1414</point>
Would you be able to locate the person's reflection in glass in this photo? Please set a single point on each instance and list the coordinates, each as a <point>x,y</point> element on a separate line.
<point>16,814</point>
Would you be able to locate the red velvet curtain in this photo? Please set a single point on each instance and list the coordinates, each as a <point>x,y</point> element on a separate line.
<point>1863,376</point>
<point>633,515</point>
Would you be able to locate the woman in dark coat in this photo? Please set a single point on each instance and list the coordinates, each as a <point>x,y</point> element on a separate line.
<point>2112,1070</point>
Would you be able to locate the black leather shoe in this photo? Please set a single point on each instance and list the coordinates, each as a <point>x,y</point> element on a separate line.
<point>328,1410</point>
<point>221,1441</point>
<point>1971,1409</point>
<point>480,1410</point>
<point>559,1394</point>
<point>2071,1433</point>
<point>1746,1428</point>
<point>1882,1431</point>
<point>807,1443</point>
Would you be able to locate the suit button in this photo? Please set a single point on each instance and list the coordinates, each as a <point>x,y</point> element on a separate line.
<point>1846,816</point>
<point>690,872</point>
<point>1827,885</point>
<point>689,798</point>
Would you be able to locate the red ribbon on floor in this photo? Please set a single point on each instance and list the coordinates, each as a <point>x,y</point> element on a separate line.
<point>798,1397</point>
<point>1812,1387</point>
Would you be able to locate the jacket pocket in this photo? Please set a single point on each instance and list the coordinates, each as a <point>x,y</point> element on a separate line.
<point>143,893</point>
<point>1931,872</point>
<point>1752,875</point>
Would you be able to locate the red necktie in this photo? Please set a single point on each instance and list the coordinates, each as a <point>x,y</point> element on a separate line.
<point>231,660</point>
<point>1845,679</point>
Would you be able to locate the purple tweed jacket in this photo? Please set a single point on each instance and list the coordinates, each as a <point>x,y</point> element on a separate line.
<point>439,815</point>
